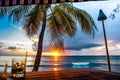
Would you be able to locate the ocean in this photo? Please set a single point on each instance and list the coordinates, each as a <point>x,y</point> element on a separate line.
<point>65,62</point>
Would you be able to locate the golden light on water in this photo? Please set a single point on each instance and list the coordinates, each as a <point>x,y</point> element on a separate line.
<point>55,64</point>
<point>55,69</point>
<point>56,56</point>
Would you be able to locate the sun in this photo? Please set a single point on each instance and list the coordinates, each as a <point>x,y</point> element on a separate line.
<point>56,54</point>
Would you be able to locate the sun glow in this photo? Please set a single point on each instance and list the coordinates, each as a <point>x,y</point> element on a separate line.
<point>51,54</point>
<point>55,69</point>
<point>56,54</point>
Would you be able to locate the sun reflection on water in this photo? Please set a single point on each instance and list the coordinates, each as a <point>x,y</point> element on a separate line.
<point>56,58</point>
<point>55,69</point>
<point>55,65</point>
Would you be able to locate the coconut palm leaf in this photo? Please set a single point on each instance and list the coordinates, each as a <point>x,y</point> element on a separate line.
<point>18,12</point>
<point>55,33</point>
<point>66,21</point>
<point>32,21</point>
<point>4,11</point>
<point>60,23</point>
<point>84,19</point>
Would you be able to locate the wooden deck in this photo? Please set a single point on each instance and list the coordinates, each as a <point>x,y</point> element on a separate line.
<point>79,74</point>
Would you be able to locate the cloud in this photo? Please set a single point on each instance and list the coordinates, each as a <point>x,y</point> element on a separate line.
<point>18,27</point>
<point>82,46</point>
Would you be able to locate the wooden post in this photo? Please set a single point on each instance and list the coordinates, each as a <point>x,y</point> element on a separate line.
<point>102,17</point>
<point>108,58</point>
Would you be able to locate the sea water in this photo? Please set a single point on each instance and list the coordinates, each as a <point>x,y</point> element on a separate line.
<point>65,62</point>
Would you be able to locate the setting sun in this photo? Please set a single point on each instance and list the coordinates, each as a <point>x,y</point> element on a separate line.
<point>55,54</point>
<point>51,54</point>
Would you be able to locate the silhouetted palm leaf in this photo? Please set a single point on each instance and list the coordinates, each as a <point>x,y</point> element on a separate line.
<point>32,21</point>
<point>18,12</point>
<point>85,20</point>
<point>4,11</point>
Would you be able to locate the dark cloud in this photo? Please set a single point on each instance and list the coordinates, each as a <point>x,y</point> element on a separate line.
<point>82,46</point>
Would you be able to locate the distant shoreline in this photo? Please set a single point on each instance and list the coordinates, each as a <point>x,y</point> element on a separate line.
<point>16,52</point>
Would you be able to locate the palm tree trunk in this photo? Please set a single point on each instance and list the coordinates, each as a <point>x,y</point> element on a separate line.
<point>40,42</point>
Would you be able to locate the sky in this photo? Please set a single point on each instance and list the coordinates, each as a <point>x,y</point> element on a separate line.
<point>81,44</point>
<point>11,32</point>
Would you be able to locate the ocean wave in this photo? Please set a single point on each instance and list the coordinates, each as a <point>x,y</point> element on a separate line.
<point>64,64</point>
<point>41,65</point>
<point>80,63</point>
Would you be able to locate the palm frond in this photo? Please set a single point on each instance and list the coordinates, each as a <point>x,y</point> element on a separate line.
<point>85,20</point>
<point>57,43</point>
<point>60,23</point>
<point>4,11</point>
<point>65,20</point>
<point>56,33</point>
<point>19,12</point>
<point>33,20</point>
<point>57,40</point>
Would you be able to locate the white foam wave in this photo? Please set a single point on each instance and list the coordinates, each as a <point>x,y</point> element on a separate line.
<point>80,63</point>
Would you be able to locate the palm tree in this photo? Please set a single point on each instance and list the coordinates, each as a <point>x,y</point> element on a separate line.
<point>60,19</point>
